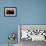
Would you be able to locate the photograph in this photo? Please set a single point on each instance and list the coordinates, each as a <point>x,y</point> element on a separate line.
<point>29,34</point>
<point>10,11</point>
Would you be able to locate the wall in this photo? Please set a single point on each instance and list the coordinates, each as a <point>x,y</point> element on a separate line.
<point>28,12</point>
<point>33,12</point>
<point>8,24</point>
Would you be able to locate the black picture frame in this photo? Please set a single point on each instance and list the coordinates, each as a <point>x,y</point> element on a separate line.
<point>10,11</point>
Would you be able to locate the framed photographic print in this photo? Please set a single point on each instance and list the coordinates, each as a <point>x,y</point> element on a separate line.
<point>10,11</point>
